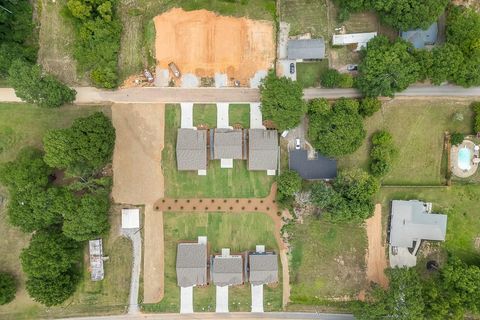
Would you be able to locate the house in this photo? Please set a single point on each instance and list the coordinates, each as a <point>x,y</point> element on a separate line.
<point>317,168</point>
<point>360,39</point>
<point>191,263</point>
<point>192,150</point>
<point>227,146</point>
<point>263,150</point>
<point>263,267</point>
<point>306,49</point>
<point>410,223</point>
<point>227,269</point>
<point>95,248</point>
<point>421,38</point>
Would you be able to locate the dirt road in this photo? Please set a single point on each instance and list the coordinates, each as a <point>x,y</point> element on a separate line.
<point>376,254</point>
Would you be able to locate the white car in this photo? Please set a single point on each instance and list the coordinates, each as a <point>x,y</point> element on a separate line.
<point>297,144</point>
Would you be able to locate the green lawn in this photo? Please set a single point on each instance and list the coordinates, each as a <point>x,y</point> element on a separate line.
<point>418,128</point>
<point>236,182</point>
<point>305,16</point>
<point>327,261</point>
<point>237,232</point>
<point>239,114</point>
<point>309,73</point>
<point>205,114</point>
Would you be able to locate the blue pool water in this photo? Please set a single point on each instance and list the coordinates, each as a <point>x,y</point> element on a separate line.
<point>464,158</point>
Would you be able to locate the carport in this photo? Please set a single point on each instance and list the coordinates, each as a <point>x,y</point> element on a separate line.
<point>318,168</point>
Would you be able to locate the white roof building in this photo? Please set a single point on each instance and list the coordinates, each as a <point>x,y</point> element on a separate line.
<point>360,39</point>
<point>131,218</point>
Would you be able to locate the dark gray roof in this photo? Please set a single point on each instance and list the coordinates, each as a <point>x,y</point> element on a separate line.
<point>420,38</point>
<point>191,264</point>
<point>227,270</point>
<point>263,268</point>
<point>228,144</point>
<point>191,149</point>
<point>306,49</point>
<point>312,169</point>
<point>262,149</point>
<point>411,222</point>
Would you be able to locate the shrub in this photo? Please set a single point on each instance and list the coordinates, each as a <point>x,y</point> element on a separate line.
<point>288,183</point>
<point>7,288</point>
<point>331,79</point>
<point>382,153</point>
<point>346,81</point>
<point>456,138</point>
<point>476,111</point>
<point>368,106</point>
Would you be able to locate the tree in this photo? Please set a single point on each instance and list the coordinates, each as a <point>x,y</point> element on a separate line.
<point>387,67</point>
<point>382,153</point>
<point>338,130</point>
<point>8,288</point>
<point>288,183</point>
<point>368,106</point>
<point>424,59</point>
<point>32,86</point>
<point>446,63</point>
<point>456,138</point>
<point>334,79</point>
<point>282,101</point>
<point>476,111</point>
<point>90,219</point>
<point>52,291</point>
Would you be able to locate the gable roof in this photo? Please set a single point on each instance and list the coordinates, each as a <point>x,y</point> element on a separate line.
<point>227,270</point>
<point>262,149</point>
<point>306,49</point>
<point>263,268</point>
<point>360,38</point>
<point>228,144</point>
<point>411,221</point>
<point>191,264</point>
<point>312,169</point>
<point>420,38</point>
<point>191,149</point>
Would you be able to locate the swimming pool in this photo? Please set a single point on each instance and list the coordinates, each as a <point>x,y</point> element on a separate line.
<point>464,158</point>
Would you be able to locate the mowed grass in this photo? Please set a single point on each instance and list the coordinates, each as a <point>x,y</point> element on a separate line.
<point>205,114</point>
<point>240,233</point>
<point>459,203</point>
<point>309,73</point>
<point>305,16</point>
<point>327,261</point>
<point>239,114</point>
<point>223,183</point>
<point>418,128</point>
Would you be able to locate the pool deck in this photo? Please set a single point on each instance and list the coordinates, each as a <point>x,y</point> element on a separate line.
<point>454,160</point>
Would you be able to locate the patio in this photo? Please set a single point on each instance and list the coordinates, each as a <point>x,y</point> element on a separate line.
<point>454,159</point>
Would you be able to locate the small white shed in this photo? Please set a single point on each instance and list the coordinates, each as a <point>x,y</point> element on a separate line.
<point>131,218</point>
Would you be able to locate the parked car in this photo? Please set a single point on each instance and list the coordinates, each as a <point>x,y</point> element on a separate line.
<point>297,144</point>
<point>174,69</point>
<point>352,67</point>
<point>292,68</point>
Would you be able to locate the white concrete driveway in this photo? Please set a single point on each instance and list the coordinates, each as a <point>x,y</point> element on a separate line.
<point>285,69</point>
<point>221,301</point>
<point>222,116</point>
<point>187,114</point>
<point>257,298</point>
<point>135,236</point>
<point>256,121</point>
<point>186,300</point>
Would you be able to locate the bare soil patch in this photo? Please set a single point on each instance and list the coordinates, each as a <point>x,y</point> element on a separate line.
<point>203,43</point>
<point>376,254</point>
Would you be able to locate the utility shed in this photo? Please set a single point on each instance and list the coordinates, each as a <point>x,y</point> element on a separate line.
<point>228,144</point>
<point>263,268</point>
<point>191,264</point>
<point>361,39</point>
<point>263,149</point>
<point>421,38</point>
<point>131,218</point>
<point>306,49</point>
<point>96,259</point>
<point>227,270</point>
<point>191,149</point>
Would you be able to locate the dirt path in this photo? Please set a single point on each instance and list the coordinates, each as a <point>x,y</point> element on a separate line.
<point>138,180</point>
<point>376,254</point>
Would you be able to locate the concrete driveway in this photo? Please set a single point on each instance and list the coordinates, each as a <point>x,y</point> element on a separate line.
<point>135,236</point>
<point>186,300</point>
<point>256,121</point>
<point>186,115</point>
<point>221,300</point>
<point>285,69</point>
<point>222,116</point>
<point>257,298</point>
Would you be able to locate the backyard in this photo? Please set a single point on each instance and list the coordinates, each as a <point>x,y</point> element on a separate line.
<point>238,232</point>
<point>221,183</point>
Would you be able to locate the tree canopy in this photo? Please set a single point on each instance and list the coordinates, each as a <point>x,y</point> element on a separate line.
<point>8,288</point>
<point>282,101</point>
<point>335,130</point>
<point>382,153</point>
<point>368,106</point>
<point>289,182</point>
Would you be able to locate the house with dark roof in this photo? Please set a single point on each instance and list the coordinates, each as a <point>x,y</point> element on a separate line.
<point>263,268</point>
<point>421,38</point>
<point>192,150</point>
<point>263,150</point>
<point>227,269</point>
<point>191,263</point>
<point>306,49</point>
<point>316,168</point>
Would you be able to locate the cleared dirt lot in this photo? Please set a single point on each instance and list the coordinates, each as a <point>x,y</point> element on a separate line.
<point>138,179</point>
<point>376,254</point>
<point>203,43</point>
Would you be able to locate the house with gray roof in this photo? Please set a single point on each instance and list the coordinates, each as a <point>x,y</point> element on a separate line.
<point>412,222</point>
<point>263,150</point>
<point>421,38</point>
<point>306,49</point>
<point>227,269</point>
<point>191,150</point>
<point>228,144</point>
<point>263,268</point>
<point>191,263</point>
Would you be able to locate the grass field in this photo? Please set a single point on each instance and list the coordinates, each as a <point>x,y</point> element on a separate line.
<point>205,114</point>
<point>327,261</point>
<point>309,73</point>
<point>236,182</point>
<point>237,232</point>
<point>306,16</point>
<point>418,128</point>
<point>239,114</point>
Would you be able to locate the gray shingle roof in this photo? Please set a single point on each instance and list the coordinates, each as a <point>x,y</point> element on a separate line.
<point>263,149</point>
<point>191,264</point>
<point>227,270</point>
<point>411,222</point>
<point>306,49</point>
<point>228,144</point>
<point>191,149</point>
<point>419,38</point>
<point>263,268</point>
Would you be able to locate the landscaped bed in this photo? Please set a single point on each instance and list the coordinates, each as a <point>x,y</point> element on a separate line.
<point>240,233</point>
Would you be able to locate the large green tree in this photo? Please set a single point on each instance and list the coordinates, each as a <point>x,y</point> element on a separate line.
<point>335,130</point>
<point>289,182</point>
<point>446,63</point>
<point>387,67</point>
<point>8,288</point>
<point>282,101</point>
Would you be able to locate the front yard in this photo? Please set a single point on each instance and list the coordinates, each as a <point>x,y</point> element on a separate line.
<point>239,232</point>
<point>309,73</point>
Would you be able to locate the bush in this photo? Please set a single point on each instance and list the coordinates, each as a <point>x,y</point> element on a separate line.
<point>382,153</point>
<point>368,106</point>
<point>476,111</point>
<point>331,78</point>
<point>288,183</point>
<point>8,288</point>
<point>456,138</point>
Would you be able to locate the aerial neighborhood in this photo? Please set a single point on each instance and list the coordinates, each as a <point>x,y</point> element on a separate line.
<point>276,159</point>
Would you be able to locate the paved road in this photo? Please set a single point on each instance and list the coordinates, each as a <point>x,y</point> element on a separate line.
<point>234,315</point>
